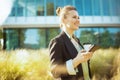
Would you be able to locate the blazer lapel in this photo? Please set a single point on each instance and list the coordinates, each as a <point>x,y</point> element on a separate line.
<point>78,41</point>
<point>70,47</point>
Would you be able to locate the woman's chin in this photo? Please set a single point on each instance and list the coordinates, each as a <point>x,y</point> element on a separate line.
<point>77,27</point>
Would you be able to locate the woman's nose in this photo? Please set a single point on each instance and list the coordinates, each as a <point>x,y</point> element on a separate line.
<point>78,21</point>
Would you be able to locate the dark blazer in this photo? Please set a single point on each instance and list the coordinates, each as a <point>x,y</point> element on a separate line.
<point>61,50</point>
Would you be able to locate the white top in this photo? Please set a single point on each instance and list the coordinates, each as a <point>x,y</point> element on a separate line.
<point>69,63</point>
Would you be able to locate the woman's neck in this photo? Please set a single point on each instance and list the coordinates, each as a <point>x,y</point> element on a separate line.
<point>67,30</point>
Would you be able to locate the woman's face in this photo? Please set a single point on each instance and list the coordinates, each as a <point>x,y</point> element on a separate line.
<point>72,20</point>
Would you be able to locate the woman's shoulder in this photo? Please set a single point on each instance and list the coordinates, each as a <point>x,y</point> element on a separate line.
<point>57,38</point>
<point>56,41</point>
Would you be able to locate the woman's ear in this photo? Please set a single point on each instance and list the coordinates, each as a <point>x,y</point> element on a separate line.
<point>64,20</point>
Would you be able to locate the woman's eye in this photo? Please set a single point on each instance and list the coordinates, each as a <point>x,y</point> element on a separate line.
<point>76,17</point>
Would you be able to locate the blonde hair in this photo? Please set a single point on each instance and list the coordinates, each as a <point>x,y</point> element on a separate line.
<point>62,12</point>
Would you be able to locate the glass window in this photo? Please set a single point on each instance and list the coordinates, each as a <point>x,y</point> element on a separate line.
<point>30,7</point>
<point>115,7</point>
<point>88,35</point>
<point>68,2</point>
<point>60,3</point>
<point>35,38</point>
<point>96,7</point>
<point>106,8</point>
<point>88,7</point>
<point>32,38</point>
<point>13,12</point>
<point>12,39</point>
<point>18,9</point>
<point>52,32</point>
<point>105,37</point>
<point>110,37</point>
<point>1,39</point>
<point>79,6</point>
<point>40,7</point>
<point>118,7</point>
<point>50,7</point>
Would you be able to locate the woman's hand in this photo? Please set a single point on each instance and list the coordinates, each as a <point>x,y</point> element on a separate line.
<point>82,56</point>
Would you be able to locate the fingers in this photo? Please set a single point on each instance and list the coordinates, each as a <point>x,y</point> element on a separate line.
<point>82,51</point>
<point>86,56</point>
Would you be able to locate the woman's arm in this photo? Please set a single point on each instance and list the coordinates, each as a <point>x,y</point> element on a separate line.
<point>82,56</point>
<point>58,66</point>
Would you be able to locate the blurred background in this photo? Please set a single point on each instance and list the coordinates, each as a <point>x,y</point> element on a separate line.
<point>32,23</point>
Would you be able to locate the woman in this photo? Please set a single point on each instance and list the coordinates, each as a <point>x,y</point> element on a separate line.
<point>68,59</point>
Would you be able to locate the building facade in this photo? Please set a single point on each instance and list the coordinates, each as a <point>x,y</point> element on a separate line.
<point>32,23</point>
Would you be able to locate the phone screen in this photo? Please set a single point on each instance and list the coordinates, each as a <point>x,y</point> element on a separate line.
<point>93,48</point>
<point>90,47</point>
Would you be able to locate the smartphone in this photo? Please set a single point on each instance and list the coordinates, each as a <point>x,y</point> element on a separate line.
<point>93,48</point>
<point>90,47</point>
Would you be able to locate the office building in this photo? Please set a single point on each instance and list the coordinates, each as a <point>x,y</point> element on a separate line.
<point>32,23</point>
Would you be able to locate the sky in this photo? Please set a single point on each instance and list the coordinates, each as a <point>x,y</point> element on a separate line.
<point>5,9</point>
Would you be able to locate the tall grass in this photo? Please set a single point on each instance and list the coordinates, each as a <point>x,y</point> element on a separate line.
<point>105,64</point>
<point>25,65</point>
<point>34,65</point>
